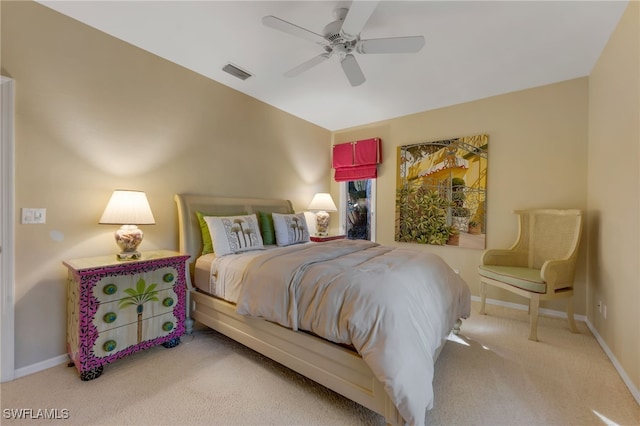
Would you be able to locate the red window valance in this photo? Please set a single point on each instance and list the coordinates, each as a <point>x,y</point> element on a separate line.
<point>357,160</point>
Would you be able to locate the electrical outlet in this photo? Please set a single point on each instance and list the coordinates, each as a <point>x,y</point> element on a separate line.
<point>31,216</point>
<point>604,311</point>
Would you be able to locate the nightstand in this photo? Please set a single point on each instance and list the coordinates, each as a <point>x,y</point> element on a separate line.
<point>116,308</point>
<point>319,239</point>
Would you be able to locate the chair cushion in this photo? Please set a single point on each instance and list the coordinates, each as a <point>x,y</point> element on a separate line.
<point>525,278</point>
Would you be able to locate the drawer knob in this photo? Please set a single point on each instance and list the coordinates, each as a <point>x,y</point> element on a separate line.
<point>168,277</point>
<point>109,345</point>
<point>167,326</point>
<point>167,302</point>
<point>110,289</point>
<point>109,317</point>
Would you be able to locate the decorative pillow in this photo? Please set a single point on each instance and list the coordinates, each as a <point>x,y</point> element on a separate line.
<point>266,228</point>
<point>234,234</point>
<point>207,244</point>
<point>290,228</point>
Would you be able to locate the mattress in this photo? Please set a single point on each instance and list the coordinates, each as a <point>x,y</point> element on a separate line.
<point>220,276</point>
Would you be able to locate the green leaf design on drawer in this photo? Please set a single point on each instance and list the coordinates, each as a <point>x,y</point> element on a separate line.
<point>138,297</point>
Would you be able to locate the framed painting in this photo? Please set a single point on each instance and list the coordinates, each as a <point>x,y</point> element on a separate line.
<point>441,192</point>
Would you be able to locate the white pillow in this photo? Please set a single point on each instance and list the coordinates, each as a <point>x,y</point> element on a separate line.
<point>290,229</point>
<point>234,234</point>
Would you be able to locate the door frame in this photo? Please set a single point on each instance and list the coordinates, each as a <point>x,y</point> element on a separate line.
<point>7,242</point>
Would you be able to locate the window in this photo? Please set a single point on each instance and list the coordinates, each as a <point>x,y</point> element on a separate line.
<point>357,205</point>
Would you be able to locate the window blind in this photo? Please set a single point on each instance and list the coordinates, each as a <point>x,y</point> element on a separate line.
<point>357,160</point>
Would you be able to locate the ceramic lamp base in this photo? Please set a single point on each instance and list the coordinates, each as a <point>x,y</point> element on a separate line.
<point>128,238</point>
<point>322,223</point>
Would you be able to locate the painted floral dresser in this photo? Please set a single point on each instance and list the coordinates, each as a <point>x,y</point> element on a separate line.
<point>116,308</point>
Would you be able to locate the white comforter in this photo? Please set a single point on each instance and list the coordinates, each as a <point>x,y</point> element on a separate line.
<point>396,306</point>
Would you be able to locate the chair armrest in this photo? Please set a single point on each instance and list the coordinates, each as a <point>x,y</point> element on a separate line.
<point>558,273</point>
<point>503,257</point>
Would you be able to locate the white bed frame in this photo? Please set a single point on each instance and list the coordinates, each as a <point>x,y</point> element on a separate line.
<point>331,365</point>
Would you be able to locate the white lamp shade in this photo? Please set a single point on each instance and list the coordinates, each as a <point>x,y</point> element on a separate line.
<point>128,208</point>
<point>322,201</point>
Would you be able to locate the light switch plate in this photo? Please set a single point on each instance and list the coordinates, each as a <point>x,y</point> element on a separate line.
<point>33,216</point>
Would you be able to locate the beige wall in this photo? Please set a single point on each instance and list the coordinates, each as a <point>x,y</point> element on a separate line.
<point>94,114</point>
<point>537,158</point>
<point>614,193</point>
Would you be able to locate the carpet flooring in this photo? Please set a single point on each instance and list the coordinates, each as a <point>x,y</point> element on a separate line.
<point>490,374</point>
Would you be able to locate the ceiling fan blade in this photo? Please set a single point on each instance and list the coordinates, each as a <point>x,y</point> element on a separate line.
<point>391,45</point>
<point>307,65</point>
<point>358,15</point>
<point>352,70</point>
<point>292,29</point>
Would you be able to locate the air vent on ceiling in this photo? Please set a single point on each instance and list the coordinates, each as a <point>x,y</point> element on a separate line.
<point>236,72</point>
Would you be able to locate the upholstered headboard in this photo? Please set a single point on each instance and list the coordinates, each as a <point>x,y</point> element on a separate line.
<point>190,237</point>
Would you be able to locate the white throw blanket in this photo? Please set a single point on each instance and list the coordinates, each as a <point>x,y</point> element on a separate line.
<point>396,306</point>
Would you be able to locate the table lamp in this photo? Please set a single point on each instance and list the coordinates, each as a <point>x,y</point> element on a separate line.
<point>129,209</point>
<point>321,204</point>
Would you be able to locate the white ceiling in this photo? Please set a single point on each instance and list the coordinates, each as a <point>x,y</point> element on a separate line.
<point>474,49</point>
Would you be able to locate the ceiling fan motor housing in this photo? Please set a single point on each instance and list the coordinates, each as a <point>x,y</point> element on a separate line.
<point>332,33</point>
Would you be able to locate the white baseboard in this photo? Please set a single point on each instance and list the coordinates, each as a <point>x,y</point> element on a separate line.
<point>39,366</point>
<point>558,314</point>
<point>521,307</point>
<point>623,374</point>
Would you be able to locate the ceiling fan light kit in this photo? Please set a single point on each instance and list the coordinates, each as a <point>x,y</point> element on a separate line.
<point>341,38</point>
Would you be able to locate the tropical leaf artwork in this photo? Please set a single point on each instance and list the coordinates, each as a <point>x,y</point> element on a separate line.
<point>422,217</point>
<point>138,297</point>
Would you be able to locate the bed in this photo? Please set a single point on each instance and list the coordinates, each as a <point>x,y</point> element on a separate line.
<point>289,338</point>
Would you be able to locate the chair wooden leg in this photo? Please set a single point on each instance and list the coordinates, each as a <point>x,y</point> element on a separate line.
<point>572,322</point>
<point>534,304</point>
<point>483,297</point>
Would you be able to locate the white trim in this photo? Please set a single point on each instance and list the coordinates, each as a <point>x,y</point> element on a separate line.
<point>372,208</point>
<point>623,374</point>
<point>521,307</point>
<point>342,209</point>
<point>42,365</point>
<point>7,246</point>
<point>558,314</point>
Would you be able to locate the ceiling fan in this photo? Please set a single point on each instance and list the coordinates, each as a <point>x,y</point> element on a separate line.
<point>341,38</point>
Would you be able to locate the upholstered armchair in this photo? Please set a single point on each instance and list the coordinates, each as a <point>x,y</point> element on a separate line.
<point>540,265</point>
